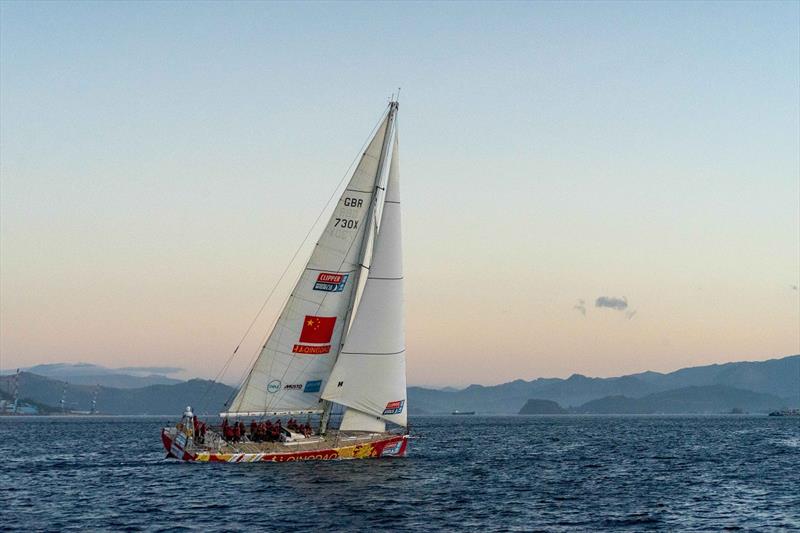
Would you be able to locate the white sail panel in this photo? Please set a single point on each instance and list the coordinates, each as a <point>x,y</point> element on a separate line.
<point>355,420</point>
<point>295,362</point>
<point>370,373</point>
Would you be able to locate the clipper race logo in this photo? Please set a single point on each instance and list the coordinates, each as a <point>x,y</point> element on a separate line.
<point>393,449</point>
<point>317,331</point>
<point>394,408</point>
<point>330,282</point>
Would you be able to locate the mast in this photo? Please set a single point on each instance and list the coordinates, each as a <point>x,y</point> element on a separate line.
<point>371,234</point>
<point>327,405</point>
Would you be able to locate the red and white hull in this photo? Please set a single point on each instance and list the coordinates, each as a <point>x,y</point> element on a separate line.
<point>388,446</point>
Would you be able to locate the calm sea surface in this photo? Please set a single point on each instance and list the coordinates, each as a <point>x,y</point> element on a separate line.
<point>466,473</point>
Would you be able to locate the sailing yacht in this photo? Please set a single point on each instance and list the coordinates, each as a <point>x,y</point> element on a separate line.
<point>338,344</point>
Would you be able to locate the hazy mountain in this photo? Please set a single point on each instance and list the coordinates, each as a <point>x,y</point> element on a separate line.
<point>754,386</point>
<point>694,399</point>
<point>203,395</point>
<point>121,378</point>
<point>776,377</point>
<point>780,377</point>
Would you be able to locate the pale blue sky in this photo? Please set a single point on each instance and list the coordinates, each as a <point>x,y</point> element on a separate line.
<point>161,161</point>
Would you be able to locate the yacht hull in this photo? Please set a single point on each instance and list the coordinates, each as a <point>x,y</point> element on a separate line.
<point>382,446</point>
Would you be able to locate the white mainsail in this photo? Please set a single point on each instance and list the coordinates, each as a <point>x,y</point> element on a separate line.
<point>369,376</point>
<point>295,363</point>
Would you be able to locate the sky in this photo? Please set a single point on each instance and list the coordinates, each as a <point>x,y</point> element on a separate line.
<point>594,188</point>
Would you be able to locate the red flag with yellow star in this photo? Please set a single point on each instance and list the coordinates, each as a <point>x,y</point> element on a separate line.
<point>317,329</point>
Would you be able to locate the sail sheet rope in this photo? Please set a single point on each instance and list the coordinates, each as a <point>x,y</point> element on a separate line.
<point>226,366</point>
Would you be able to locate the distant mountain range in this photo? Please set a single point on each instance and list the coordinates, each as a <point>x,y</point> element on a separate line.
<point>749,386</point>
<point>694,399</point>
<point>171,399</point>
<point>120,378</point>
<point>778,379</point>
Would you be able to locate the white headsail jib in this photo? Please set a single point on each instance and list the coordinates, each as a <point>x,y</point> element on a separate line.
<point>370,373</point>
<point>295,363</point>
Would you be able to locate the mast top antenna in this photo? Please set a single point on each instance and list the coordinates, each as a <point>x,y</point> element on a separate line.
<point>395,97</point>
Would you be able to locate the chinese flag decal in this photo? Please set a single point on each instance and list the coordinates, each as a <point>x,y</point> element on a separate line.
<point>316,330</point>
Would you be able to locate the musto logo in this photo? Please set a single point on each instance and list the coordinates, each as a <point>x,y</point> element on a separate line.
<point>330,282</point>
<point>394,408</point>
<point>293,386</point>
<point>316,335</point>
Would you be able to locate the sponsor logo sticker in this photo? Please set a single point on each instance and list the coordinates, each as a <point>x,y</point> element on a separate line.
<point>313,386</point>
<point>331,282</point>
<point>311,350</point>
<point>392,449</point>
<point>293,386</point>
<point>274,385</point>
<point>394,408</point>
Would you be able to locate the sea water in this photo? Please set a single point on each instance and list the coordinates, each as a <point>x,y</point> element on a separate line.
<point>473,473</point>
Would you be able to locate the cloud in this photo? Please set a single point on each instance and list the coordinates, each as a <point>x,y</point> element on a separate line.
<point>580,306</point>
<point>610,302</point>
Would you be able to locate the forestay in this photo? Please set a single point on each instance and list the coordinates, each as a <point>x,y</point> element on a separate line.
<point>295,362</point>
